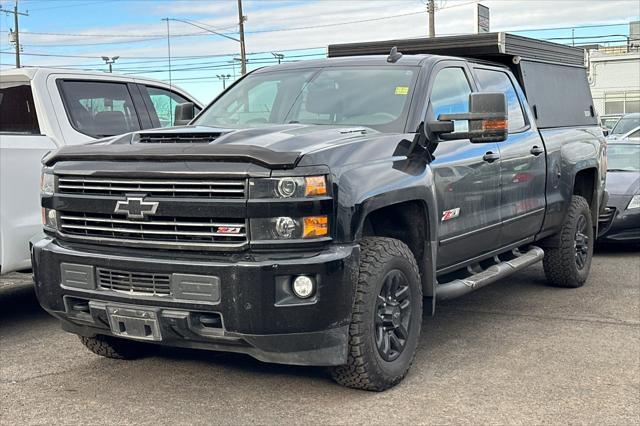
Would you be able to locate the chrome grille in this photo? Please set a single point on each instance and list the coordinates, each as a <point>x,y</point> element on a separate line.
<point>176,188</point>
<point>157,231</point>
<point>134,282</point>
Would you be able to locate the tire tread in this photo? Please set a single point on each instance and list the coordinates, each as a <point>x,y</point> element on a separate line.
<point>358,373</point>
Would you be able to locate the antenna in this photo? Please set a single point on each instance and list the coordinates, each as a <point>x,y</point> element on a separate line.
<point>394,55</point>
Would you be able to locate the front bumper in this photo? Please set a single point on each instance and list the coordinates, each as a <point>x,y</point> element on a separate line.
<point>250,314</point>
<point>618,224</point>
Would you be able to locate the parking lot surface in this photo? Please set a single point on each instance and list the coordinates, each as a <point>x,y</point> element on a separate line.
<point>516,352</point>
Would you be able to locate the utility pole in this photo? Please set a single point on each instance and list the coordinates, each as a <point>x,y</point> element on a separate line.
<point>431,8</point>
<point>243,52</point>
<point>17,32</point>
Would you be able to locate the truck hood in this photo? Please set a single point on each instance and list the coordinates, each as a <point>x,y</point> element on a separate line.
<point>276,147</point>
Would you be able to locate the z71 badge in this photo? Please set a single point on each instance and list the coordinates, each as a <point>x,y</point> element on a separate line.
<point>450,214</point>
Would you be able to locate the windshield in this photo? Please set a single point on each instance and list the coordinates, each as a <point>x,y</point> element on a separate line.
<point>626,124</point>
<point>365,96</point>
<point>623,157</point>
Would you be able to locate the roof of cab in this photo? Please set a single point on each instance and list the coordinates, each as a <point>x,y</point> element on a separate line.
<point>406,60</point>
<point>31,72</point>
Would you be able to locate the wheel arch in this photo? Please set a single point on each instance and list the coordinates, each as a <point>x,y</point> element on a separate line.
<point>409,220</point>
<point>585,184</point>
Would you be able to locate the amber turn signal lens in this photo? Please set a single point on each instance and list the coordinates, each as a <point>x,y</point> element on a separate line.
<point>315,185</point>
<point>315,226</point>
<point>494,124</point>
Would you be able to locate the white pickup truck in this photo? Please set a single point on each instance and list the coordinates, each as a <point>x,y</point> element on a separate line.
<point>44,109</point>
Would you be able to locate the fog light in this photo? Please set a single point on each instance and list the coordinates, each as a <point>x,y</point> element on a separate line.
<point>303,287</point>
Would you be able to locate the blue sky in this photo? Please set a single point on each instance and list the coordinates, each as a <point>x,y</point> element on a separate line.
<point>76,33</point>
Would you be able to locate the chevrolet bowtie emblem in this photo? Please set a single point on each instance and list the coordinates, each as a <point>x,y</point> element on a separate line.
<point>136,207</point>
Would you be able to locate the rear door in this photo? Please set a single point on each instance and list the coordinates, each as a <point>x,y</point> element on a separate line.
<point>522,161</point>
<point>467,176</point>
<point>21,149</point>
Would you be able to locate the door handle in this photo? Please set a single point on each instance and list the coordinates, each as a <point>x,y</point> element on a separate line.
<point>490,157</point>
<point>536,150</point>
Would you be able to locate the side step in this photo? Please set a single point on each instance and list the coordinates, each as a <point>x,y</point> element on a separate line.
<point>481,277</point>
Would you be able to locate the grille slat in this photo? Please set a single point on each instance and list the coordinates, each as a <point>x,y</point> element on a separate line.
<point>187,188</point>
<point>134,282</point>
<point>155,231</point>
<point>158,223</point>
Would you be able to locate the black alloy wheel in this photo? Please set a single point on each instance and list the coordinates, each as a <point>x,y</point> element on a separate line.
<point>393,315</point>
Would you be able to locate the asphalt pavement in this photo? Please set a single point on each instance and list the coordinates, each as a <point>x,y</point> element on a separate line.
<point>516,352</point>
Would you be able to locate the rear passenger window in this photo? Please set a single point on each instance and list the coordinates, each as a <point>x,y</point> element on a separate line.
<point>164,104</point>
<point>498,81</point>
<point>17,111</point>
<point>99,109</point>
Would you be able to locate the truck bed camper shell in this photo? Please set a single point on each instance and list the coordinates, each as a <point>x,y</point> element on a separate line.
<point>552,75</point>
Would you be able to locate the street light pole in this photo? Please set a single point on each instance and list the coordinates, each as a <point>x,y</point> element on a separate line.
<point>278,56</point>
<point>243,55</point>
<point>110,61</point>
<point>224,78</point>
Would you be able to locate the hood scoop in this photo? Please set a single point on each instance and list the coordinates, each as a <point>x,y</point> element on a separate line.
<point>176,137</point>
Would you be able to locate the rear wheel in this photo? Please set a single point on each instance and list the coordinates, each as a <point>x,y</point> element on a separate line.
<point>113,347</point>
<point>386,318</point>
<point>568,264</point>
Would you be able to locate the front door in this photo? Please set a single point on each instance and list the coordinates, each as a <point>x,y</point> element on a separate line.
<point>522,163</point>
<point>467,178</point>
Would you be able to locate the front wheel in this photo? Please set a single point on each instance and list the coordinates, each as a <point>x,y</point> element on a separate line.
<point>386,317</point>
<point>568,264</point>
<point>116,348</point>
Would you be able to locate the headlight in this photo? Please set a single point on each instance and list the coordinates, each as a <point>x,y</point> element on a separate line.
<point>50,219</point>
<point>289,228</point>
<point>634,203</point>
<point>288,187</point>
<point>47,182</point>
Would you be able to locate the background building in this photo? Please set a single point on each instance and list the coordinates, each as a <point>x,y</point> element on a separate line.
<point>614,75</point>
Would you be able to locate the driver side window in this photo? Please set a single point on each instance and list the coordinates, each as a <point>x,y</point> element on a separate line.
<point>450,93</point>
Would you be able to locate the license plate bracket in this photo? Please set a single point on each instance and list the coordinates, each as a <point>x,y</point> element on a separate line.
<point>132,323</point>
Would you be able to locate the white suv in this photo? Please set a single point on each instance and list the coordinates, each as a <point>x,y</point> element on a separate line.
<point>43,109</point>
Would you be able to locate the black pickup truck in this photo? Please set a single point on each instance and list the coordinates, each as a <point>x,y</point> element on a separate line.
<point>312,211</point>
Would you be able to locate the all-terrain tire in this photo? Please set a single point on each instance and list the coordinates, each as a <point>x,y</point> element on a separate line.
<point>366,369</point>
<point>113,347</point>
<point>561,264</point>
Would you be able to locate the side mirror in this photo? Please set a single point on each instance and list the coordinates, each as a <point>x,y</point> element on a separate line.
<point>605,132</point>
<point>184,113</point>
<point>487,120</point>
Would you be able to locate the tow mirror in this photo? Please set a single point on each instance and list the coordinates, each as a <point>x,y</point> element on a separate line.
<point>184,113</point>
<point>487,120</point>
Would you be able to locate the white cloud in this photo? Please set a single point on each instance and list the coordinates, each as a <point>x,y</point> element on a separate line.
<point>457,16</point>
